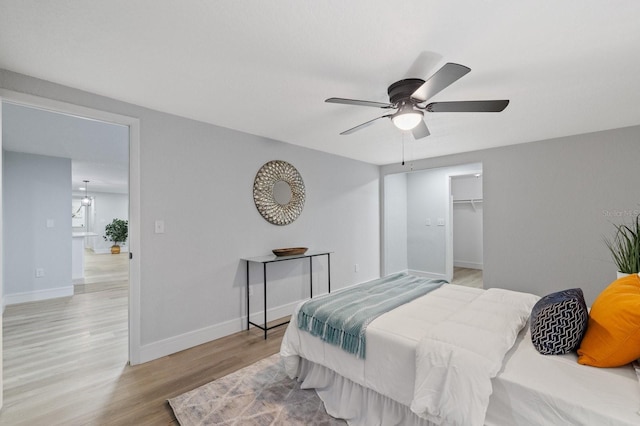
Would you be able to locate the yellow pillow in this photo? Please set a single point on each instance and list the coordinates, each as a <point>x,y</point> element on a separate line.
<point>613,335</point>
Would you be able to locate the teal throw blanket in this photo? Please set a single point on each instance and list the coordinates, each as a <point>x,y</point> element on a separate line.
<point>341,318</point>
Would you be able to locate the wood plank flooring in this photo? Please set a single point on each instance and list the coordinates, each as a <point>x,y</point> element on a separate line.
<point>467,277</point>
<point>65,360</point>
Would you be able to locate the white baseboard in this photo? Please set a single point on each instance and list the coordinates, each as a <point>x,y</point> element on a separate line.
<point>198,337</point>
<point>427,274</point>
<point>37,295</point>
<point>466,264</point>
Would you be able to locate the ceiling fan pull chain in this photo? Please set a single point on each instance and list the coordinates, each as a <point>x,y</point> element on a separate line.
<point>403,148</point>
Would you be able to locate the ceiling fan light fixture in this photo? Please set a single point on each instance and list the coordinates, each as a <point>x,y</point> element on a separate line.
<point>407,118</point>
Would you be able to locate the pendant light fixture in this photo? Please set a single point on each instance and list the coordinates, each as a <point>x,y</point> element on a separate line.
<point>86,201</point>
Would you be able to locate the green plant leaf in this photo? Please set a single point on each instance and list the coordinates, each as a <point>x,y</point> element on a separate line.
<point>117,231</point>
<point>625,246</point>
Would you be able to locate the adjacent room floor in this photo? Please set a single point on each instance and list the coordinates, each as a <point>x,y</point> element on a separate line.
<point>467,277</point>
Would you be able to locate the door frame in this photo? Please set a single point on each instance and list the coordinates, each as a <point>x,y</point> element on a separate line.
<point>449,235</point>
<point>134,196</point>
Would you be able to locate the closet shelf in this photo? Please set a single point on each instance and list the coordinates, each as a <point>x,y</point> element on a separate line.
<point>471,201</point>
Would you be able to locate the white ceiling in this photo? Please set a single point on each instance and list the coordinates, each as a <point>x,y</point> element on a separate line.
<point>266,67</point>
<point>99,151</point>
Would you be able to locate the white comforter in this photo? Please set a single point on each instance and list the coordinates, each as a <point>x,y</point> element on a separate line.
<point>435,382</point>
<point>457,358</point>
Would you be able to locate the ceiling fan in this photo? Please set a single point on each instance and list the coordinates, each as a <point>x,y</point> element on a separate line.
<point>407,96</point>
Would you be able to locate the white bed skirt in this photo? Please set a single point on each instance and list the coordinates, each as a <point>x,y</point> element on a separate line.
<point>347,400</point>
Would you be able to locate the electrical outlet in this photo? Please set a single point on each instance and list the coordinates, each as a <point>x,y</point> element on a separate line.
<point>250,291</point>
<point>356,268</point>
<point>39,272</point>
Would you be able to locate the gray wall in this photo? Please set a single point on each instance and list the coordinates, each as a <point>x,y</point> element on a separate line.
<point>198,178</point>
<point>427,199</point>
<point>395,224</point>
<point>36,189</point>
<point>547,206</point>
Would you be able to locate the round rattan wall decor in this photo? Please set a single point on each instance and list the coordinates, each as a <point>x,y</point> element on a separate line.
<point>278,192</point>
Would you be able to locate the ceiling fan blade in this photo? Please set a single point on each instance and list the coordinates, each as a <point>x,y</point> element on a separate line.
<point>363,125</point>
<point>358,102</point>
<point>468,106</point>
<point>446,75</point>
<point>420,131</point>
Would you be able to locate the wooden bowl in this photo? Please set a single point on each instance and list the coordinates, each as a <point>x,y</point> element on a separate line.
<point>290,251</point>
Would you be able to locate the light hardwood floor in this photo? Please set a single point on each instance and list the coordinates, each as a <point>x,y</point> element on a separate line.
<point>65,360</point>
<point>467,277</point>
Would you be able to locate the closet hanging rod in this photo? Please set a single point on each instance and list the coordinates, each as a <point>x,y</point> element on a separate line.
<point>470,200</point>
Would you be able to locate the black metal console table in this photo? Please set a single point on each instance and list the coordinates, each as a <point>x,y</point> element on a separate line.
<point>264,260</point>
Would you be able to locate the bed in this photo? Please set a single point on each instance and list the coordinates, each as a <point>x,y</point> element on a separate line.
<point>387,386</point>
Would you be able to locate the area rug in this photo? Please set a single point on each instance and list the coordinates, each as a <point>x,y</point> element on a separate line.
<point>260,394</point>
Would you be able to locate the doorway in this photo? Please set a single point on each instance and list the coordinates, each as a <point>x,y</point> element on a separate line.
<point>466,228</point>
<point>130,334</point>
<point>419,221</point>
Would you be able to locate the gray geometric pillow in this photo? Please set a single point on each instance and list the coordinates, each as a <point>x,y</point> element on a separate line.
<point>559,321</point>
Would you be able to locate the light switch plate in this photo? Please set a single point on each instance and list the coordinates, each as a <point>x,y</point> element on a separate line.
<point>159,227</point>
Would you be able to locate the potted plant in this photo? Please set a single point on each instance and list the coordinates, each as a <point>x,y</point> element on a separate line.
<point>117,232</point>
<point>625,247</point>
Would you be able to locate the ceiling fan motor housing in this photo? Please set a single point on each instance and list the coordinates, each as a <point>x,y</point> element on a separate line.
<point>403,89</point>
